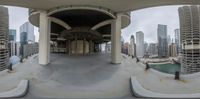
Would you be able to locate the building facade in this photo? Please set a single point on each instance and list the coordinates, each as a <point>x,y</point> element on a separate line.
<point>27,28</point>
<point>132,46</point>
<point>190,38</point>
<point>12,35</point>
<point>177,40</point>
<point>140,44</point>
<point>153,49</point>
<point>4,57</point>
<point>169,40</point>
<point>172,50</point>
<point>14,48</point>
<point>162,41</point>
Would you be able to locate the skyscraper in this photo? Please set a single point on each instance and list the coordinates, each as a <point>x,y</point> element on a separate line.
<point>132,46</point>
<point>23,38</point>
<point>190,38</point>
<point>4,56</point>
<point>177,39</point>
<point>169,41</point>
<point>146,47</point>
<point>12,35</point>
<point>172,50</point>
<point>153,50</point>
<point>29,29</point>
<point>162,41</point>
<point>140,44</point>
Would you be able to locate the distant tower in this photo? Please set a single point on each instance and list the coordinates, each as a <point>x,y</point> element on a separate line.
<point>132,46</point>
<point>162,41</point>
<point>4,56</point>
<point>140,44</point>
<point>169,40</point>
<point>190,38</point>
<point>177,40</point>
<point>27,33</point>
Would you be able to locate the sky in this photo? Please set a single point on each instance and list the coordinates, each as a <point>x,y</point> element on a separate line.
<point>145,20</point>
<point>17,17</point>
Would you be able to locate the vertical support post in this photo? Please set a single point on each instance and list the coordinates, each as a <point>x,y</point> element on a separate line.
<point>116,40</point>
<point>44,38</point>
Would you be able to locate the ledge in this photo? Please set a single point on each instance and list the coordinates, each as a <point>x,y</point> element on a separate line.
<point>19,91</point>
<point>139,91</point>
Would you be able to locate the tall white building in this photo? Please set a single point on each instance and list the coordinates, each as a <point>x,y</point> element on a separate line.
<point>140,44</point>
<point>177,39</point>
<point>28,28</point>
<point>132,46</point>
<point>190,38</point>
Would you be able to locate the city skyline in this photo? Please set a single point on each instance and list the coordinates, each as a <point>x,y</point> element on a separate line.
<point>140,22</point>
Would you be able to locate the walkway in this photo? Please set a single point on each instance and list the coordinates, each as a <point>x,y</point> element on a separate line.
<point>73,77</point>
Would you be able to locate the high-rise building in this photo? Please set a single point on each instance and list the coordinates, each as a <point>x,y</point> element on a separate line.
<point>169,40</point>
<point>12,35</point>
<point>132,46</point>
<point>126,48</point>
<point>146,47</point>
<point>153,50</point>
<point>23,38</point>
<point>190,38</point>
<point>4,56</point>
<point>177,39</point>
<point>162,41</point>
<point>140,44</point>
<point>29,29</point>
<point>172,50</point>
<point>14,48</point>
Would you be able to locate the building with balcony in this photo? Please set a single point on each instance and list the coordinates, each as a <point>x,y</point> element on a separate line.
<point>190,38</point>
<point>4,56</point>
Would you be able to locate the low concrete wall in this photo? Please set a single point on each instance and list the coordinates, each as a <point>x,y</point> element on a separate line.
<point>182,76</point>
<point>19,91</point>
<point>139,91</point>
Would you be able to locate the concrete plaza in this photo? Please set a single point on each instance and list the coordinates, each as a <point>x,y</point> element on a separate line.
<point>91,76</point>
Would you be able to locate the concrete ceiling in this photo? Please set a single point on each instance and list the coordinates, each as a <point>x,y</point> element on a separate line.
<point>114,5</point>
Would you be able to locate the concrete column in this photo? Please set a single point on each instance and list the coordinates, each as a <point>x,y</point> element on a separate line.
<point>116,40</point>
<point>44,38</point>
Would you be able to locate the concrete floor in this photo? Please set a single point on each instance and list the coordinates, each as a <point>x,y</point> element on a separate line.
<point>91,76</point>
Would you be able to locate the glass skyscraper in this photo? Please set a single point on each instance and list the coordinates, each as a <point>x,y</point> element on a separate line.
<point>162,41</point>
<point>12,35</point>
<point>27,29</point>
